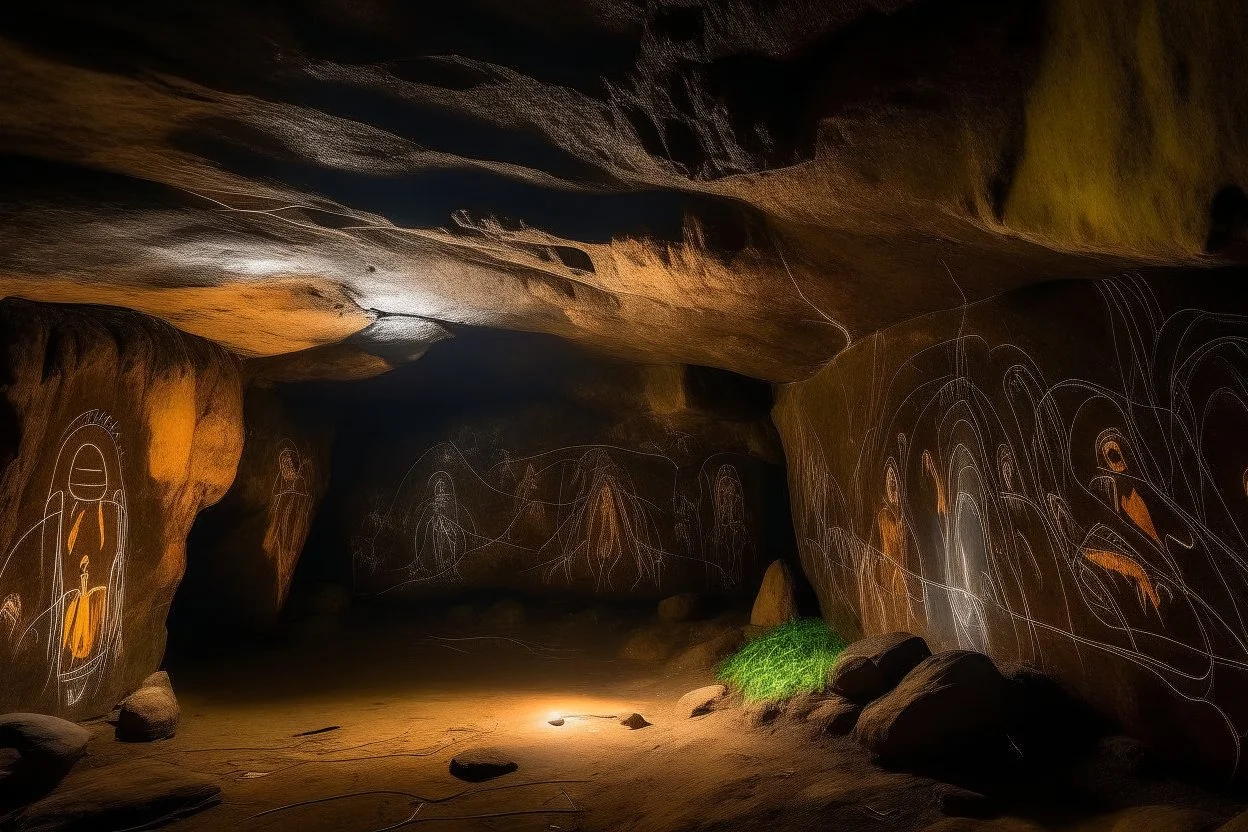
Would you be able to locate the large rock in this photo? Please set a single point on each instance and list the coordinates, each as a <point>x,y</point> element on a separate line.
<point>125,796</point>
<point>951,709</point>
<point>775,603</point>
<point>115,430</point>
<point>856,678</point>
<point>245,548</point>
<point>150,713</point>
<point>47,749</point>
<point>894,654</point>
<point>836,715</point>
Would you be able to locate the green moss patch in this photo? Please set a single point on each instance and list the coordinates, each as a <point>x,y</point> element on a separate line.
<point>793,658</point>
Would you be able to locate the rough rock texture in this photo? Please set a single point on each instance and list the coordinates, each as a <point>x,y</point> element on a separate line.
<point>520,464</point>
<point>1062,495</point>
<point>951,709</point>
<point>245,548</point>
<point>857,678</point>
<point>739,184</point>
<point>91,799</point>
<point>836,716</point>
<point>775,603</point>
<point>150,713</point>
<point>707,655</point>
<point>115,430</point>
<point>47,748</point>
<point>893,654</point>
<point>481,764</point>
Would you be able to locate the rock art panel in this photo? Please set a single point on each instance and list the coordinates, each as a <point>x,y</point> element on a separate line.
<point>123,428</point>
<point>244,550</point>
<point>1056,478</point>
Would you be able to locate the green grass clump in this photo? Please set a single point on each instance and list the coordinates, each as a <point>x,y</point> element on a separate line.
<point>793,658</point>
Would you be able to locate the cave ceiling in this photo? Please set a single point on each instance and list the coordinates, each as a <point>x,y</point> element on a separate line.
<point>748,186</point>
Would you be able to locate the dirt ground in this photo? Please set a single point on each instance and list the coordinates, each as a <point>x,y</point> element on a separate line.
<point>403,696</point>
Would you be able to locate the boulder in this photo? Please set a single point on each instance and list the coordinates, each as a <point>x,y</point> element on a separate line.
<point>775,603</point>
<point>505,615</point>
<point>835,715</point>
<point>686,606</point>
<point>702,701</point>
<point>895,654</point>
<point>47,748</point>
<point>857,678</point>
<point>1046,723</point>
<point>155,417</point>
<point>126,796</point>
<point>949,710</point>
<point>482,764</point>
<point>150,713</point>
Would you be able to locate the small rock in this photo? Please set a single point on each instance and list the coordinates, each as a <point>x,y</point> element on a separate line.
<point>760,714</point>
<point>505,615</point>
<point>150,713</point>
<point>702,700</point>
<point>895,654</point>
<point>949,710</point>
<point>47,748</point>
<point>557,722</point>
<point>963,803</point>
<point>775,604</point>
<point>482,764</point>
<point>857,678</point>
<point>634,722</point>
<point>684,607</point>
<point>159,679</point>
<point>836,715</point>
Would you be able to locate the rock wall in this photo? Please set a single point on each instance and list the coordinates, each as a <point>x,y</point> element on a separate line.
<point>1058,477</point>
<point>115,430</point>
<point>245,548</point>
<point>569,474</point>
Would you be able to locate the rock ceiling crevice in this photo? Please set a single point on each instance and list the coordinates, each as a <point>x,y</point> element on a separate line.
<point>748,186</point>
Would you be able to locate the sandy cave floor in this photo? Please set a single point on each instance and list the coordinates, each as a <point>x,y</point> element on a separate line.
<point>406,698</point>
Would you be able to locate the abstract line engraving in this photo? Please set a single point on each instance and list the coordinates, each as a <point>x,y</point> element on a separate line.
<point>1101,512</point>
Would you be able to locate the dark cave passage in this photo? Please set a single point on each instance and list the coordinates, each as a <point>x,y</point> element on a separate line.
<point>624,416</point>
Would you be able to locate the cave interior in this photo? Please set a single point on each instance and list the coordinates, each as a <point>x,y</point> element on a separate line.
<point>604,415</point>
